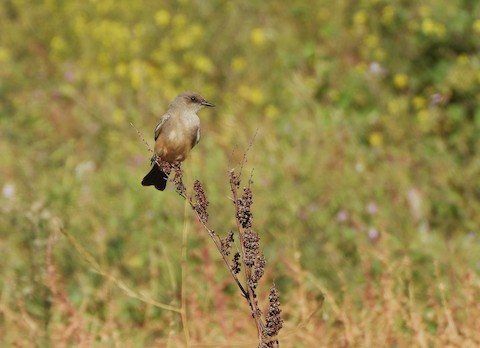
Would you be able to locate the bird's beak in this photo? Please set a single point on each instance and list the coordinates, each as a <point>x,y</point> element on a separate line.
<point>205,103</point>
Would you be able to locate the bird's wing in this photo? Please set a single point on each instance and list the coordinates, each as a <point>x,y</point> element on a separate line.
<point>160,124</point>
<point>196,137</point>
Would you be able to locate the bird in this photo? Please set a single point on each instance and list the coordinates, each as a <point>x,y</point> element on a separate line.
<point>177,132</point>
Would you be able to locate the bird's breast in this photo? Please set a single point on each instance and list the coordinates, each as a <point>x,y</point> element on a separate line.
<point>177,139</point>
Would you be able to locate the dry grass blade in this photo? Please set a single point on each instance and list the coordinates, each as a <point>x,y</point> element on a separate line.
<point>87,257</point>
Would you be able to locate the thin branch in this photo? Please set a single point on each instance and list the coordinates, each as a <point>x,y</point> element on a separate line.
<point>215,239</point>
<point>142,138</point>
<point>244,159</point>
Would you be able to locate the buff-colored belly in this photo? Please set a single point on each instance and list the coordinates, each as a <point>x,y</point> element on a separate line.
<point>173,145</point>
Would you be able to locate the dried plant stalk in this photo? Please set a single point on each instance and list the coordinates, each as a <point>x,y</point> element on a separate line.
<point>249,257</point>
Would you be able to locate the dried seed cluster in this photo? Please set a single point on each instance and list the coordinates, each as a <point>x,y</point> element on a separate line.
<point>177,179</point>
<point>244,214</point>
<point>166,167</point>
<point>236,263</point>
<point>265,345</point>
<point>201,202</point>
<point>251,243</point>
<point>273,321</point>
<point>234,179</point>
<point>226,244</point>
<point>258,271</point>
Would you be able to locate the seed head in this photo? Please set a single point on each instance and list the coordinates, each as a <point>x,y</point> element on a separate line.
<point>244,214</point>
<point>258,271</point>
<point>234,179</point>
<point>236,263</point>
<point>251,243</point>
<point>201,202</point>
<point>227,244</point>
<point>177,179</point>
<point>273,321</point>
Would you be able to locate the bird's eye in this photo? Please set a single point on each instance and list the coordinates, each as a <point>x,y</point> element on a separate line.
<point>193,99</point>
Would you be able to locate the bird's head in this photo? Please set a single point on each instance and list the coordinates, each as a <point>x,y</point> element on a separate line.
<point>190,101</point>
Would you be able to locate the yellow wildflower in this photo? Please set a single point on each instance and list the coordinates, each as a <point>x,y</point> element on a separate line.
<point>371,41</point>
<point>253,95</point>
<point>271,111</point>
<point>400,81</point>
<point>184,40</point>
<point>256,96</point>
<point>118,116</point>
<point>360,17</point>
<point>440,30</point>
<point>58,44</point>
<point>80,24</point>
<point>463,59</point>
<point>394,106</point>
<point>203,64</point>
<point>423,120</point>
<point>428,26</point>
<point>137,73</point>
<point>419,102</point>
<point>361,67</point>
<point>113,88</point>
<point>258,37</point>
<point>432,28</point>
<point>4,55</point>
<point>476,26</point>
<point>179,20</point>
<point>196,31</point>
<point>162,18</point>
<point>238,64</point>
<point>121,69</point>
<point>375,139</point>
<point>379,54</point>
<point>388,14</point>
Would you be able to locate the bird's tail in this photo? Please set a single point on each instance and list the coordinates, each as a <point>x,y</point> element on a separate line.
<point>156,177</point>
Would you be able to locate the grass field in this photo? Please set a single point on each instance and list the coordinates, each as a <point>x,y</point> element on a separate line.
<point>360,125</point>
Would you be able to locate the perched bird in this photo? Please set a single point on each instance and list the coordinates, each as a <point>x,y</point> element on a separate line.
<point>176,134</point>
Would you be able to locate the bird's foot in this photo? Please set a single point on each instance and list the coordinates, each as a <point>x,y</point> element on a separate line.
<point>154,159</point>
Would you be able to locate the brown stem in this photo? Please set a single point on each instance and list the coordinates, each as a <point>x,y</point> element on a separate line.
<point>212,235</point>
<point>249,293</point>
<point>210,232</point>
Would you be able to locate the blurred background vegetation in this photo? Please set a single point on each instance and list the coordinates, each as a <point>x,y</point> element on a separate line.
<point>366,169</point>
